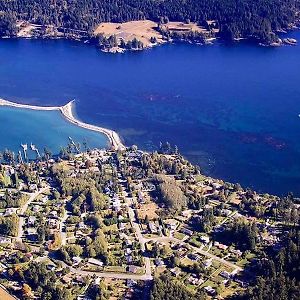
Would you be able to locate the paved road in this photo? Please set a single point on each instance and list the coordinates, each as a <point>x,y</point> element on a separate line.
<point>143,240</point>
<point>198,250</point>
<point>5,295</point>
<point>112,275</point>
<point>106,274</point>
<point>221,260</point>
<point>23,210</point>
<point>63,234</point>
<point>146,277</point>
<point>139,235</point>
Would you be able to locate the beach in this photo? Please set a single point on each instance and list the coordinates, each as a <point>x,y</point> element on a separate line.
<point>67,112</point>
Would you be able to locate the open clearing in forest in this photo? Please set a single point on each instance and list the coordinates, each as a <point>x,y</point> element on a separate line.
<point>141,30</point>
<point>144,30</point>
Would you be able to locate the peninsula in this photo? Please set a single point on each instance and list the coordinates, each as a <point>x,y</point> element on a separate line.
<point>67,112</point>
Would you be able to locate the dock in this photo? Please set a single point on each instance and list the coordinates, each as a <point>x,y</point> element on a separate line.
<point>67,112</point>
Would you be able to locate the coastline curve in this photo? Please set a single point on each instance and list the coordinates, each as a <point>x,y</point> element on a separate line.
<point>67,112</point>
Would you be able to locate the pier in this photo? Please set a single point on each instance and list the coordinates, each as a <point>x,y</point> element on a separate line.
<point>67,112</point>
<point>35,149</point>
<point>25,147</point>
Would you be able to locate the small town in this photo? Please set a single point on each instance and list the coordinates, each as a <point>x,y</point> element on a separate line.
<point>106,224</point>
<point>149,150</point>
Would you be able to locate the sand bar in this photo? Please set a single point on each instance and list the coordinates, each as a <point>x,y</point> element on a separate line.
<point>4,295</point>
<point>67,112</point>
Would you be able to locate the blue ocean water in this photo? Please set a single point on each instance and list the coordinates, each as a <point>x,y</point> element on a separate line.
<point>43,129</point>
<point>231,109</point>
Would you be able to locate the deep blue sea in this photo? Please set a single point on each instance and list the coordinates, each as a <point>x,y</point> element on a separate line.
<point>231,109</point>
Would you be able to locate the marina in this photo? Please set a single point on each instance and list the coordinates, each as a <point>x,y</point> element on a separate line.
<point>32,133</point>
<point>67,112</point>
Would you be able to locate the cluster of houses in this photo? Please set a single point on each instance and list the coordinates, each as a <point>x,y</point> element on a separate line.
<point>36,210</point>
<point>175,231</point>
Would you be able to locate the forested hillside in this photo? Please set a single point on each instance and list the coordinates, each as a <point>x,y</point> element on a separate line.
<point>235,18</point>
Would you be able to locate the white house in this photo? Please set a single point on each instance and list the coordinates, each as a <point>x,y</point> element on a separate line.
<point>31,220</point>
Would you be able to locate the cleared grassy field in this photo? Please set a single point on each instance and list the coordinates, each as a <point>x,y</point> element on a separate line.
<point>141,30</point>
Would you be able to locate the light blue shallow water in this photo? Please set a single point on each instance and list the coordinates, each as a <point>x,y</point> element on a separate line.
<point>43,129</point>
<point>231,109</point>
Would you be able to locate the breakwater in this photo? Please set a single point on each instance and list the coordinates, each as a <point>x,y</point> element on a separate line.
<point>67,112</point>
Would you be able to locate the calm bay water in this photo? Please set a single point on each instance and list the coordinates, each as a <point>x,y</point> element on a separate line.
<point>231,109</point>
<point>43,129</point>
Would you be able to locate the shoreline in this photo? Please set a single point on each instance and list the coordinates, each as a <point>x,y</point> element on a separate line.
<point>67,112</point>
<point>26,31</point>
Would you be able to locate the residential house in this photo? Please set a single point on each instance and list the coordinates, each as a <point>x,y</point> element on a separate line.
<point>204,239</point>
<point>187,231</point>
<point>207,263</point>
<point>96,262</point>
<point>152,227</point>
<point>210,290</point>
<point>31,220</point>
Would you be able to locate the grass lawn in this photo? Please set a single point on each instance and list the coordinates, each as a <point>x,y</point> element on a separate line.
<point>71,241</point>
<point>218,279</point>
<point>250,256</point>
<point>216,264</point>
<point>192,288</point>
<point>208,283</point>
<point>200,178</point>
<point>70,234</point>
<point>229,290</point>
<point>159,270</point>
<point>195,243</point>
<point>115,269</point>
<point>216,251</point>
<point>113,227</point>
<point>187,262</point>
<point>179,235</point>
<point>242,263</point>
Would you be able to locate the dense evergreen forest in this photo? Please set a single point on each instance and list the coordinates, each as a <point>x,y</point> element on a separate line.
<point>235,18</point>
<point>277,273</point>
